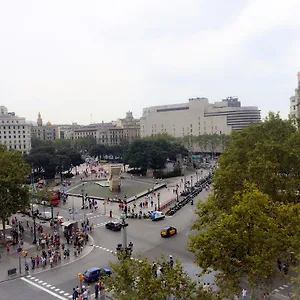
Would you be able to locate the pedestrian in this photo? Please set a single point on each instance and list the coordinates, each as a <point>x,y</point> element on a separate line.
<point>96,291</point>
<point>244,293</point>
<point>74,294</point>
<point>171,261</point>
<point>279,265</point>
<point>285,268</point>
<point>110,213</point>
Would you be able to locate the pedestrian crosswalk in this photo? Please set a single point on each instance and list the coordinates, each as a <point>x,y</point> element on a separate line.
<point>48,288</point>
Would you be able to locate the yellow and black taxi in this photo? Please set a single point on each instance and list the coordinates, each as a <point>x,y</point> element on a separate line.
<point>168,231</point>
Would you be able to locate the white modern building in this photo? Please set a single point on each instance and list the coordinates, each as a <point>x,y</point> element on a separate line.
<point>15,133</point>
<point>198,117</point>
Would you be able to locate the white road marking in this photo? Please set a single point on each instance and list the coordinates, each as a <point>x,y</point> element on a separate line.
<point>285,285</point>
<point>48,285</point>
<point>43,289</point>
<point>40,281</point>
<point>282,288</point>
<point>53,287</point>
<point>276,290</point>
<point>36,279</point>
<point>61,292</point>
<point>44,283</point>
<point>66,294</point>
<point>57,290</point>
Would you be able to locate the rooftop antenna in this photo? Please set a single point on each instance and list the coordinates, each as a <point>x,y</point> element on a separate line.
<point>91,118</point>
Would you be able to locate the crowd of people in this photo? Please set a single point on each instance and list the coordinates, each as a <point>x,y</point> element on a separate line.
<point>84,292</point>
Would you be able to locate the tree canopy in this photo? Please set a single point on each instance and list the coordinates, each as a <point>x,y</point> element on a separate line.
<point>152,153</point>
<point>13,191</point>
<point>46,160</point>
<point>135,280</point>
<point>251,218</point>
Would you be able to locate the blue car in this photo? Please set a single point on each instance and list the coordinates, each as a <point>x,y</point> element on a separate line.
<point>94,274</point>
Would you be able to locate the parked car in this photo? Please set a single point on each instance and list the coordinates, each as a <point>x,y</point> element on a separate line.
<point>113,225</point>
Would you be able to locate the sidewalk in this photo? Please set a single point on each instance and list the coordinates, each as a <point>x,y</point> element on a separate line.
<point>14,260</point>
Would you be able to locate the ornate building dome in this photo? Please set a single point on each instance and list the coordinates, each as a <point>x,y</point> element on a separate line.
<point>48,123</point>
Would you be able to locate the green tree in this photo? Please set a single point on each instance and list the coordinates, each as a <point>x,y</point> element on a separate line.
<point>62,144</point>
<point>133,279</point>
<point>98,150</point>
<point>246,242</point>
<point>14,193</point>
<point>84,144</point>
<point>251,218</point>
<point>267,154</point>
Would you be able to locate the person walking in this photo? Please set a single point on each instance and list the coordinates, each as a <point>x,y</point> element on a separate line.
<point>244,293</point>
<point>96,291</point>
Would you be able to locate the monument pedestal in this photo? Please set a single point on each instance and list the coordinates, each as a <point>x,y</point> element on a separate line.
<point>114,178</point>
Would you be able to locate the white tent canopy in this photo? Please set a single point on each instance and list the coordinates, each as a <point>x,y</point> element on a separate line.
<point>6,227</point>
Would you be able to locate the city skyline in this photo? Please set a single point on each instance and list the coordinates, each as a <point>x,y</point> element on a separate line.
<point>70,61</point>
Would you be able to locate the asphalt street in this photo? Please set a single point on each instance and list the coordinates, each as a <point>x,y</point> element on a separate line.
<point>145,236</point>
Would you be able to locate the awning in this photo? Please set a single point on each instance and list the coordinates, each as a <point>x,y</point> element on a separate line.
<point>6,227</point>
<point>68,223</point>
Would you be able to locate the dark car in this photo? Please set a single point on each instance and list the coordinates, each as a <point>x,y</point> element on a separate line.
<point>168,231</point>
<point>94,274</point>
<point>113,225</point>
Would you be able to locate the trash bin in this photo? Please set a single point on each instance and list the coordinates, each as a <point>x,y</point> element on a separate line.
<point>12,271</point>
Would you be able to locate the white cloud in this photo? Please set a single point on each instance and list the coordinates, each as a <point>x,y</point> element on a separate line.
<point>110,57</point>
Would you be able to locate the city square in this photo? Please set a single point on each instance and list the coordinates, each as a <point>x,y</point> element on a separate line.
<point>150,150</point>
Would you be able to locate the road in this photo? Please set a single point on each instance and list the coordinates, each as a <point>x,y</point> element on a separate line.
<point>145,236</point>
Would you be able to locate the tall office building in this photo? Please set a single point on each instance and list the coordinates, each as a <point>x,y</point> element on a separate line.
<point>15,133</point>
<point>198,117</point>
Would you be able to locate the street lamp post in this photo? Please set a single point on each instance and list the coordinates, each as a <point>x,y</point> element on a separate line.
<point>34,229</point>
<point>197,176</point>
<point>73,208</point>
<point>83,202</point>
<point>177,197</point>
<point>158,201</point>
<point>124,233</point>
<point>191,182</point>
<point>52,212</point>
<point>32,212</point>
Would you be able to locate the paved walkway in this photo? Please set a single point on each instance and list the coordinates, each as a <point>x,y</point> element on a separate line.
<point>166,194</point>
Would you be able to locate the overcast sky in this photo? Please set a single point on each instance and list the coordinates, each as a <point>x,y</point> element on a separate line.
<point>80,60</point>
